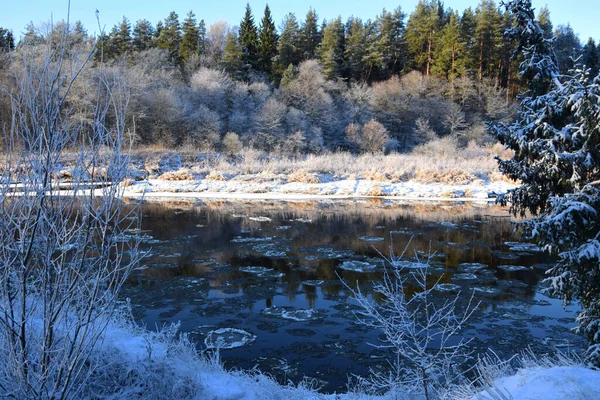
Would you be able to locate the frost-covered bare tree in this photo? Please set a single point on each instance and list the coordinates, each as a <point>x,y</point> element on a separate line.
<point>423,333</point>
<point>62,253</point>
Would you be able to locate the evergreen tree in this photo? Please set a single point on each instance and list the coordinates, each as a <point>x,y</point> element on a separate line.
<point>201,37</point>
<point>79,33</point>
<point>248,40</point>
<point>467,35</point>
<point>232,55</point>
<point>7,41</point>
<point>590,58</point>
<point>332,50</point>
<point>158,30</point>
<point>450,54</point>
<point>289,51</point>
<point>488,34</point>
<point>267,42</point>
<point>543,20</point>
<point>567,47</point>
<point>389,45</point>
<point>30,35</point>
<point>310,35</point>
<point>556,144</point>
<point>190,38</point>
<point>120,39</point>
<point>169,36</point>
<point>143,32</point>
<point>356,50</point>
<point>422,30</point>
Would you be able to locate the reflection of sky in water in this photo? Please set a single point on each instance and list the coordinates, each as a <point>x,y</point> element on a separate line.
<point>220,264</point>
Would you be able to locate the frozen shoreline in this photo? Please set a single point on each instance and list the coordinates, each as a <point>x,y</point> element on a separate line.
<point>333,189</point>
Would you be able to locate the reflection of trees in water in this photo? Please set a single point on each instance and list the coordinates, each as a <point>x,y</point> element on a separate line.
<point>457,232</point>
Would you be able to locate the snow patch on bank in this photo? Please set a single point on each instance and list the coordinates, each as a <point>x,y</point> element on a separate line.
<point>347,188</point>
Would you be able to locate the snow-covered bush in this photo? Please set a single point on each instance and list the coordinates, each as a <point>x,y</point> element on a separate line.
<point>422,333</point>
<point>556,144</point>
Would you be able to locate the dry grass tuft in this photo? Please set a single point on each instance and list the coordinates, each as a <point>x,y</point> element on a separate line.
<point>451,176</point>
<point>374,175</point>
<point>375,190</point>
<point>303,176</point>
<point>63,174</point>
<point>182,174</point>
<point>127,182</point>
<point>216,176</point>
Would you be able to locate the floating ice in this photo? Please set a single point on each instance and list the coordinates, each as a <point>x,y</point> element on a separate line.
<point>471,267</point>
<point>262,272</point>
<point>447,287</point>
<point>304,220</point>
<point>293,314</point>
<point>513,268</point>
<point>371,239</point>
<point>271,250</point>
<point>487,290</point>
<point>327,252</point>
<point>228,338</point>
<point>358,266</point>
<point>448,224</point>
<point>403,264</point>
<point>283,227</point>
<point>313,283</point>
<point>240,239</point>
<point>464,277</point>
<point>519,246</point>
<point>260,219</point>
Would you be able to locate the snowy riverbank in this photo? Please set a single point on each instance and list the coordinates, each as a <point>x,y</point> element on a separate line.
<point>162,366</point>
<point>327,188</point>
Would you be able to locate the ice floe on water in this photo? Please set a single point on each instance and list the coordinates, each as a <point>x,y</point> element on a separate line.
<point>272,250</point>
<point>357,266</point>
<point>471,267</point>
<point>241,239</point>
<point>488,290</point>
<point>514,268</point>
<point>464,277</point>
<point>326,252</point>
<point>293,314</point>
<point>371,239</point>
<point>405,264</point>
<point>228,338</point>
<point>525,247</point>
<point>313,282</point>
<point>447,287</point>
<point>283,227</point>
<point>260,219</point>
<point>262,272</point>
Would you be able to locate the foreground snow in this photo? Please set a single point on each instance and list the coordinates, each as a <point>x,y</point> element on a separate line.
<point>556,383</point>
<point>159,365</point>
<point>329,188</point>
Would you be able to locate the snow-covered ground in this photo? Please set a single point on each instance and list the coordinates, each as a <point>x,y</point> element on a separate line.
<point>171,368</point>
<point>407,190</point>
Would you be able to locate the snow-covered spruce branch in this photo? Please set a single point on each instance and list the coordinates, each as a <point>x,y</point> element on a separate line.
<point>63,257</point>
<point>422,332</point>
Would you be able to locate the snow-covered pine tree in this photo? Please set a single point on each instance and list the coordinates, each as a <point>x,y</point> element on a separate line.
<point>556,144</point>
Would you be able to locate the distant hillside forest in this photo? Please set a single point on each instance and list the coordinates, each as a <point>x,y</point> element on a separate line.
<point>385,84</point>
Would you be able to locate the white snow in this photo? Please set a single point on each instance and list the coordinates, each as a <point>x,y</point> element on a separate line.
<point>162,357</point>
<point>348,188</point>
<point>557,383</point>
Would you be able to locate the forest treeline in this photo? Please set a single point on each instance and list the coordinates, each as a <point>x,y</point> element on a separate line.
<point>383,84</point>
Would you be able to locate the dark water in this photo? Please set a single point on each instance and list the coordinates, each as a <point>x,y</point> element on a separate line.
<point>262,266</point>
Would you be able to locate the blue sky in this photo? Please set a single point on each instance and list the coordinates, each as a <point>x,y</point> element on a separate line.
<point>583,15</point>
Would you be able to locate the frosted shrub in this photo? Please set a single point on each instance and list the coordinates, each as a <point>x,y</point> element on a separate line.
<point>231,144</point>
<point>422,333</point>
